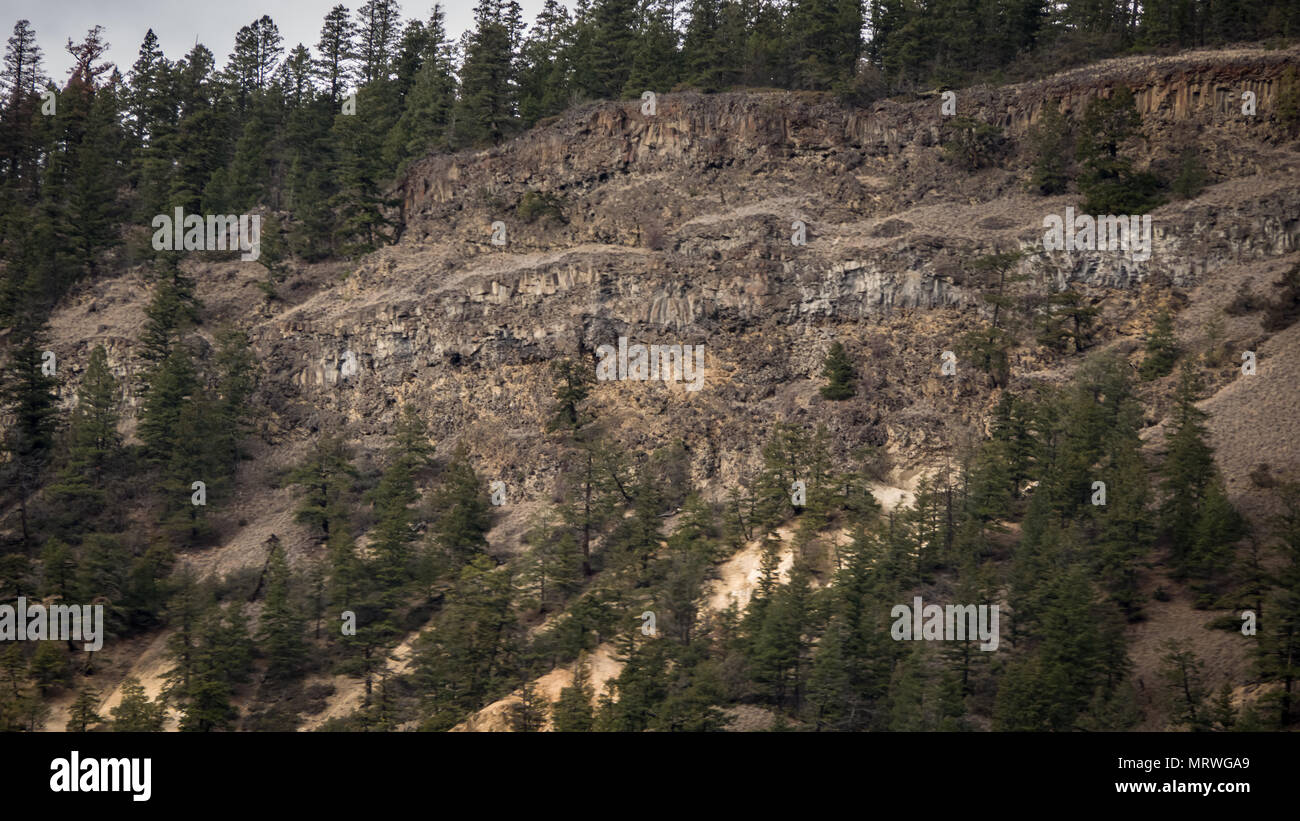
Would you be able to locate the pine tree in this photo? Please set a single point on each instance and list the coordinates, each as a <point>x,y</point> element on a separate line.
<point>360,223</point>
<point>49,667</point>
<point>1108,179</point>
<point>93,444</point>
<point>172,309</point>
<point>27,395</point>
<point>530,713</point>
<point>838,369</point>
<point>654,58</point>
<point>426,115</point>
<point>20,78</point>
<point>237,379</point>
<point>1278,656</point>
<point>826,39</point>
<point>1067,321</point>
<point>172,386</point>
<point>326,476</point>
<point>545,73</point>
<point>393,497</point>
<point>614,46</point>
<point>464,659</point>
<point>1049,139</point>
<point>1183,675</point>
<point>485,109</point>
<point>336,50</point>
<point>1161,348</point>
<point>780,647</point>
<point>252,65</point>
<point>135,713</point>
<point>281,626</point>
<point>378,30</point>
<point>1188,470</point>
<point>573,712</point>
<point>83,715</point>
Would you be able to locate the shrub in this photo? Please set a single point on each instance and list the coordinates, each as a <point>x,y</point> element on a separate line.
<point>535,205</point>
<point>972,144</point>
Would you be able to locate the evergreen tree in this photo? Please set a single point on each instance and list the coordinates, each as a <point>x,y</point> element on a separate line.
<point>1049,141</point>
<point>27,395</point>
<point>1161,348</point>
<point>1188,470</point>
<point>378,31</point>
<point>486,108</point>
<point>530,713</point>
<point>83,715</point>
<point>1108,180</point>
<point>1278,655</point>
<point>838,369</point>
<point>135,713</point>
<point>573,712</point>
<point>280,630</point>
<point>545,72</point>
<point>336,50</point>
<point>326,476</point>
<point>426,115</point>
<point>1183,676</point>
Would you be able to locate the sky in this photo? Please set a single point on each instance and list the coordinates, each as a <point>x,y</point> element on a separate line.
<point>178,22</point>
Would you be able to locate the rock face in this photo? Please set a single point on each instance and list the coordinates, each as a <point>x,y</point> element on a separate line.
<point>677,228</point>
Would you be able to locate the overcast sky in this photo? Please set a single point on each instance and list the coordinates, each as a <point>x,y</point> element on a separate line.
<point>178,22</point>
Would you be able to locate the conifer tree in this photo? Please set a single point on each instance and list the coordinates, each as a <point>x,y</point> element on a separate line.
<point>545,73</point>
<point>281,626</point>
<point>1278,655</point>
<point>136,713</point>
<point>1183,675</point>
<point>573,713</point>
<point>485,109</point>
<point>336,50</point>
<point>654,59</point>
<point>838,369</point>
<point>1108,179</point>
<point>530,713</point>
<point>1049,139</point>
<point>1161,348</point>
<point>1188,470</point>
<point>378,31</point>
<point>326,476</point>
<point>27,394</point>
<point>426,115</point>
<point>83,715</point>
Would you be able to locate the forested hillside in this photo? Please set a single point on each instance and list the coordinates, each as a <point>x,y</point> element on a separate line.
<point>372,479</point>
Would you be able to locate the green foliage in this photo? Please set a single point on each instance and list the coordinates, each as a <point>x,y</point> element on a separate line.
<point>573,712</point>
<point>1108,180</point>
<point>136,713</point>
<point>838,370</point>
<point>971,144</point>
<point>1191,177</point>
<point>535,205</point>
<point>1049,141</point>
<point>1288,100</point>
<point>83,715</point>
<point>1285,310</point>
<point>280,630</point>
<point>326,476</point>
<point>1161,348</point>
